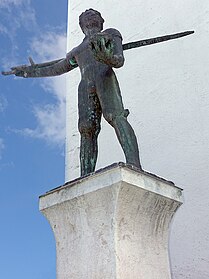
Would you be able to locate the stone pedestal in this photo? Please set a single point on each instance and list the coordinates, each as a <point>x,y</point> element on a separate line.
<point>112,225</point>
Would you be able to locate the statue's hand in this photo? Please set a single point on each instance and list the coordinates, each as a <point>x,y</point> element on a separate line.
<point>105,50</point>
<point>22,71</point>
<point>102,47</point>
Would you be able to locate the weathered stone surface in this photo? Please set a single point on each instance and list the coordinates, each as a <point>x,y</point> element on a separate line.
<point>114,224</point>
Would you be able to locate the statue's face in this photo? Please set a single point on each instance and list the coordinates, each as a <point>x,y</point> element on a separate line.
<point>91,21</point>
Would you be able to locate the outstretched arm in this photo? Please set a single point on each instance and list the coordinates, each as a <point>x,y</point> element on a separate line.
<point>48,69</point>
<point>107,47</point>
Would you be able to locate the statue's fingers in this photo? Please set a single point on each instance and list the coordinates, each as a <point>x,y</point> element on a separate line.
<point>7,73</point>
<point>103,44</point>
<point>14,69</point>
<point>21,73</point>
<point>109,44</point>
<point>31,61</point>
<point>97,46</point>
<point>21,67</point>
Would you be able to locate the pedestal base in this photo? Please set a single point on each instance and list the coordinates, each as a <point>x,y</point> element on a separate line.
<point>112,225</point>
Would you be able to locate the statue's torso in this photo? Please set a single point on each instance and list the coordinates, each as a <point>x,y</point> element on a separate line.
<point>90,68</point>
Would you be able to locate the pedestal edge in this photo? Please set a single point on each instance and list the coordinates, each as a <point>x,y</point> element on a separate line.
<point>109,176</point>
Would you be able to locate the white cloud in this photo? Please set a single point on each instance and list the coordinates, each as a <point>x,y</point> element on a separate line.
<point>15,15</point>
<point>6,3</point>
<point>18,14</point>
<point>51,124</point>
<point>3,29</point>
<point>50,118</point>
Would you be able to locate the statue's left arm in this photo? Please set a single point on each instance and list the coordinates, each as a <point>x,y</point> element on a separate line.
<point>107,47</point>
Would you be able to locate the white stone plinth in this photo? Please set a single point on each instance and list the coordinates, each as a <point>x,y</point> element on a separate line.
<point>112,225</point>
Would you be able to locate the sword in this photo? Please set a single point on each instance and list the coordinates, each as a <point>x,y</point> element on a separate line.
<point>126,46</point>
<point>155,40</point>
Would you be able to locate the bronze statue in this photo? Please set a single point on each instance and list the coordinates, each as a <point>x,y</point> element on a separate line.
<point>98,91</point>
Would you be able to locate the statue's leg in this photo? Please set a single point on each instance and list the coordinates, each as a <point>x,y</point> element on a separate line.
<point>126,136</point>
<point>115,114</point>
<point>89,128</point>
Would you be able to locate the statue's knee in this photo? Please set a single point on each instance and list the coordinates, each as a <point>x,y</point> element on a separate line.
<point>89,129</point>
<point>112,118</point>
<point>109,117</point>
<point>126,113</point>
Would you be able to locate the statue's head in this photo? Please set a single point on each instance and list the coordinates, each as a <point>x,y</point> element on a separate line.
<point>91,19</point>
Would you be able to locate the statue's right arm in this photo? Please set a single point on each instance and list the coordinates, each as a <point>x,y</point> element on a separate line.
<point>47,69</point>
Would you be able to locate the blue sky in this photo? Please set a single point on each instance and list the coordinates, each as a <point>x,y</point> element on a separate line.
<point>32,131</point>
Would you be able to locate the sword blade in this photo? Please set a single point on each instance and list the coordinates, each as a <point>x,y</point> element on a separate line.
<point>156,40</point>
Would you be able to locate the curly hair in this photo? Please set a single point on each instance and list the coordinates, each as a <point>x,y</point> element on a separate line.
<point>94,20</point>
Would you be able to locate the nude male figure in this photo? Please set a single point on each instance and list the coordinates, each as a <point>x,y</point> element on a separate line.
<point>98,91</point>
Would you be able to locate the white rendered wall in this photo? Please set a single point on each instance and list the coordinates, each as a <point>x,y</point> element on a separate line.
<point>166,88</point>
